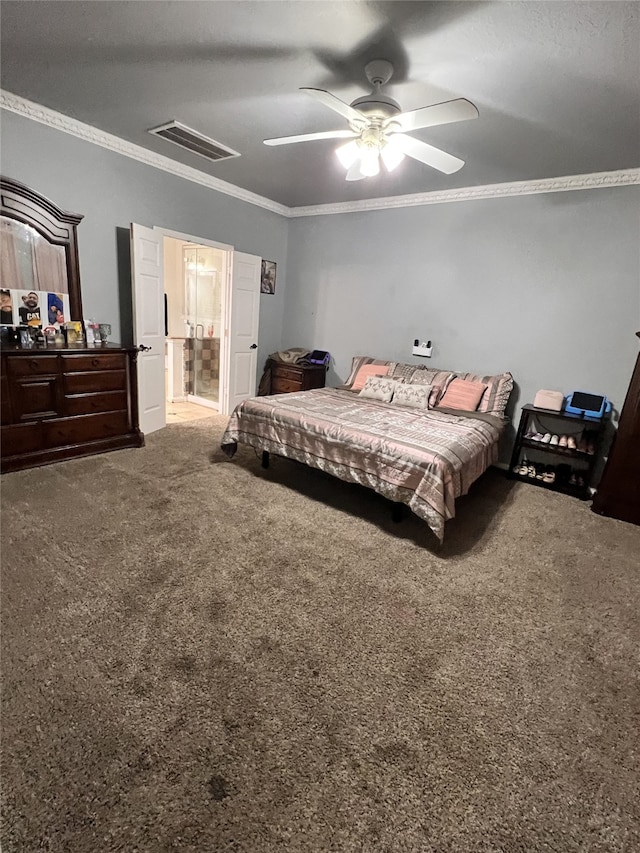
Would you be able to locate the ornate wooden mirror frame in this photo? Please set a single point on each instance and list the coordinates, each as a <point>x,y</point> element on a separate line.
<point>51,224</point>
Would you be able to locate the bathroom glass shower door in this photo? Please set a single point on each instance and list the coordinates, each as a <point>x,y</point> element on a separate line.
<point>203,276</point>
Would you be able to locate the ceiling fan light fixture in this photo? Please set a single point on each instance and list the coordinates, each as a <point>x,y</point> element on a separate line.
<point>379,130</point>
<point>391,155</point>
<point>348,154</point>
<point>369,161</point>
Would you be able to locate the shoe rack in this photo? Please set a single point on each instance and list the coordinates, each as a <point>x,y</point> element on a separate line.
<point>556,450</point>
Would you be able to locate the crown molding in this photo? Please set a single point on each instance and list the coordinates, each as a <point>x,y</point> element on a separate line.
<point>44,115</point>
<point>36,112</point>
<point>595,181</point>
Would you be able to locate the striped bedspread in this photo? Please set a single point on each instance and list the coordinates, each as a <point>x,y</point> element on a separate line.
<point>424,459</point>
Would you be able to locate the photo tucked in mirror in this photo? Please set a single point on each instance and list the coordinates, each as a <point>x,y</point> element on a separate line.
<point>6,308</point>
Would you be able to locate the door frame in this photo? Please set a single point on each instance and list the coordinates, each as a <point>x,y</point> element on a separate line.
<point>226,302</point>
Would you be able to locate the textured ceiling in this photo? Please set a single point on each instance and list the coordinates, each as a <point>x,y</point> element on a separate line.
<point>557,84</point>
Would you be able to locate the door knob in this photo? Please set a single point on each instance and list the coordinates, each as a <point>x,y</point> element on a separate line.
<point>253,346</point>
<point>143,348</point>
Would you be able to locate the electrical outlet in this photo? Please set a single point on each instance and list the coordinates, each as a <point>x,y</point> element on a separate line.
<point>423,349</point>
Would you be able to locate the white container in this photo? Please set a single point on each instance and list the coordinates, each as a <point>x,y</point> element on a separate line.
<point>551,400</point>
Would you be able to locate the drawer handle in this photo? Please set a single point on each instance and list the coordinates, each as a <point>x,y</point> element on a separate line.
<point>33,365</point>
<point>95,362</point>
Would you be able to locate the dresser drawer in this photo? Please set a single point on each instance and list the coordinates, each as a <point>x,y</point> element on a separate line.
<point>86,383</point>
<point>5,401</point>
<point>288,378</point>
<point>284,386</point>
<point>35,398</point>
<point>33,365</point>
<point>281,371</point>
<point>97,361</point>
<point>20,438</point>
<point>87,404</point>
<point>84,428</point>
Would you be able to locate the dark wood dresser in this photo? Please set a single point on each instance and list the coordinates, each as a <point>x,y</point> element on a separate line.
<point>618,494</point>
<point>296,377</point>
<point>59,403</point>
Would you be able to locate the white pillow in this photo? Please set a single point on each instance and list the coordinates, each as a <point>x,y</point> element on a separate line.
<point>379,388</point>
<point>415,396</point>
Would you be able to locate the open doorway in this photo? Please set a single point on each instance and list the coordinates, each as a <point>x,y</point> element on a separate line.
<point>173,343</point>
<point>196,275</point>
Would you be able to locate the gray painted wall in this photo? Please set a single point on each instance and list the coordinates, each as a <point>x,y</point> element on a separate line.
<point>545,286</point>
<point>111,191</point>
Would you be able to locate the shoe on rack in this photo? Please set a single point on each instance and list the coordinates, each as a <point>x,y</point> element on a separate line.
<point>554,440</point>
<point>549,476</point>
<point>571,442</point>
<point>546,438</point>
<point>563,441</point>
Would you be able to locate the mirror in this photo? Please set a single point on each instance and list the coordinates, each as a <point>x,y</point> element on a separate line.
<point>38,259</point>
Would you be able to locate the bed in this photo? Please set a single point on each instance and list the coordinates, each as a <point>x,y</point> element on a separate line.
<point>421,455</point>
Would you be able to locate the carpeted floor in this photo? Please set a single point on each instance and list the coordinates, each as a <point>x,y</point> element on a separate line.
<point>199,655</point>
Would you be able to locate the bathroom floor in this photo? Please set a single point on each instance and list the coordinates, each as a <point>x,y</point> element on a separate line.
<point>182,412</point>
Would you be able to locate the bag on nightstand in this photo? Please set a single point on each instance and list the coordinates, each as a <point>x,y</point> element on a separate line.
<point>551,400</point>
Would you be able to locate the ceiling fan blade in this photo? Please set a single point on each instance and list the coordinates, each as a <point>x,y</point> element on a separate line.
<point>307,137</point>
<point>354,173</point>
<point>336,104</point>
<point>459,109</point>
<point>433,157</point>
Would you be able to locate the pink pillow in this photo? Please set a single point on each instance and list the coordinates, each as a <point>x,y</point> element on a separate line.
<point>368,370</point>
<point>462,394</point>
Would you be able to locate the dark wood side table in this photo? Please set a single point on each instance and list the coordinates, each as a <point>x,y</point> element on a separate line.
<point>563,459</point>
<point>286,378</point>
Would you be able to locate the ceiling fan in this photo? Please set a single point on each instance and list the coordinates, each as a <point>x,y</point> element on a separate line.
<point>378,129</point>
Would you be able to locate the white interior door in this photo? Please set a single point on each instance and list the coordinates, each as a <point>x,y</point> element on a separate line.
<point>148,325</point>
<point>244,313</point>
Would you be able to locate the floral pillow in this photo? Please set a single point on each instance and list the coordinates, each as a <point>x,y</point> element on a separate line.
<point>415,396</point>
<point>405,372</point>
<point>379,388</point>
<point>438,379</point>
<point>433,376</point>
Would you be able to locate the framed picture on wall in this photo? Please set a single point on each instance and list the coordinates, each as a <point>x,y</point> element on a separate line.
<point>268,277</point>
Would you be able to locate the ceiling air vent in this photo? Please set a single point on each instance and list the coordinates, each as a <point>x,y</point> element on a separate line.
<point>193,141</point>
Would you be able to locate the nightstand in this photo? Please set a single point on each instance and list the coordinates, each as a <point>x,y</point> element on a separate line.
<point>571,467</point>
<point>286,378</point>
